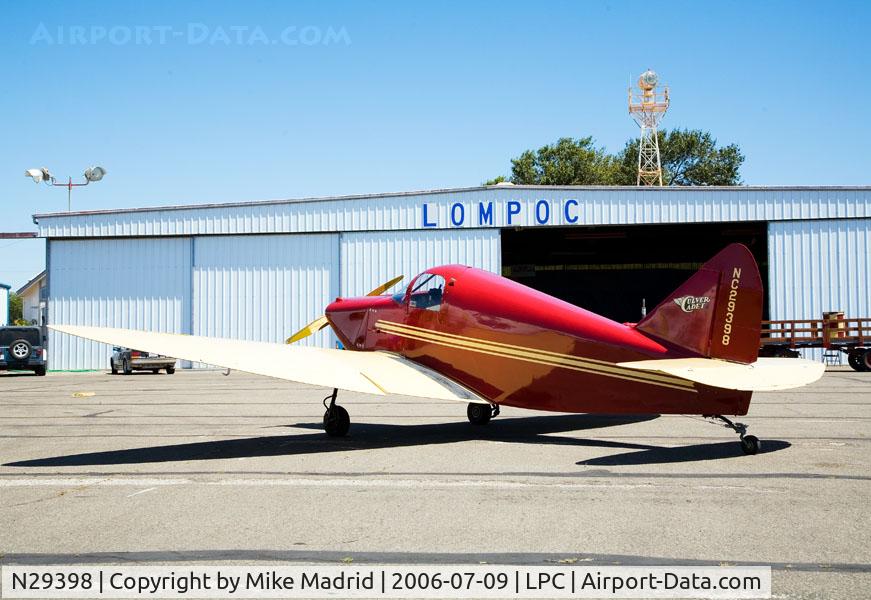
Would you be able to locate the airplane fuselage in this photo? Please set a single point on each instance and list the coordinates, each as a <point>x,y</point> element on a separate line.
<point>516,346</point>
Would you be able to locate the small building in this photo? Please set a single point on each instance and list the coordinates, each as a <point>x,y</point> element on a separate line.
<point>34,300</point>
<point>261,270</point>
<point>4,304</point>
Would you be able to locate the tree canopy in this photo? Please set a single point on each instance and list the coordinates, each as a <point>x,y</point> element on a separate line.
<point>689,157</point>
<point>16,307</point>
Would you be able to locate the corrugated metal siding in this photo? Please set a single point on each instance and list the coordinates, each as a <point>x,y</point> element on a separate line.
<point>131,283</point>
<point>595,206</point>
<point>263,288</point>
<point>370,259</point>
<point>4,306</point>
<point>819,266</point>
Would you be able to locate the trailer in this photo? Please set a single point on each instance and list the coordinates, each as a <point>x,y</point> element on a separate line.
<point>833,333</point>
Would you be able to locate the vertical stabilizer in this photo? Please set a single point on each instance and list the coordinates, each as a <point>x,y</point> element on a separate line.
<point>716,313</point>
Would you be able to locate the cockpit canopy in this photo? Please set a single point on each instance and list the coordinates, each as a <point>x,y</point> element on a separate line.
<point>424,293</point>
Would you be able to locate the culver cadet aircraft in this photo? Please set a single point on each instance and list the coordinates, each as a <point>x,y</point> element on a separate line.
<point>464,334</point>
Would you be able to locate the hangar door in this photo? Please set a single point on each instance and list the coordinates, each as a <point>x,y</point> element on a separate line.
<point>263,287</point>
<point>611,270</point>
<point>135,283</point>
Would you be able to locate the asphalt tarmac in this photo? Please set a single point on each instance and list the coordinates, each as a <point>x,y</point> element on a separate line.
<point>199,467</point>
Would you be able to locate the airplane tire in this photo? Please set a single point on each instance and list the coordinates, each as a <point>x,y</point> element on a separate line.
<point>479,414</point>
<point>750,444</point>
<point>337,421</point>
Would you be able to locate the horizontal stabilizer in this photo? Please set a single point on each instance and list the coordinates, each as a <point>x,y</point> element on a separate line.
<point>764,375</point>
<point>376,373</point>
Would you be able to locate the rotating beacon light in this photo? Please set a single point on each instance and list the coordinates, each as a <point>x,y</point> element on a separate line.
<point>647,106</point>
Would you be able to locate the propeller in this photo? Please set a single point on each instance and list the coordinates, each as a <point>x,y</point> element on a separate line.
<point>322,322</point>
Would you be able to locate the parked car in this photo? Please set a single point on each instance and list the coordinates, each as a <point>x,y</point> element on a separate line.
<point>126,361</point>
<point>22,349</point>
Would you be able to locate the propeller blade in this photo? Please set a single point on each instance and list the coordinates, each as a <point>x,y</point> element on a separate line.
<point>309,329</point>
<point>322,322</point>
<point>385,286</point>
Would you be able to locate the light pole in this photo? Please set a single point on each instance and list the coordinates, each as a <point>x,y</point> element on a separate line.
<point>92,174</point>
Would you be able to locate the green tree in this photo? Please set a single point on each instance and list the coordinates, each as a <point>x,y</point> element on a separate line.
<point>16,307</point>
<point>568,162</point>
<point>689,157</point>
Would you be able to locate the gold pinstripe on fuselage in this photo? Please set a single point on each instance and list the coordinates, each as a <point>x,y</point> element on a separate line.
<point>533,355</point>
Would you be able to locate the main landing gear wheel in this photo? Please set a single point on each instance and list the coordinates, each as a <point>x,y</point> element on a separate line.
<point>337,422</point>
<point>750,444</point>
<point>480,414</point>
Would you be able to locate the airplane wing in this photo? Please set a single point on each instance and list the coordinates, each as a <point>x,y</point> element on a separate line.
<point>376,373</point>
<point>766,374</point>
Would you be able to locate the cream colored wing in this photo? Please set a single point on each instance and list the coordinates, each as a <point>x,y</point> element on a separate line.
<point>368,372</point>
<point>766,374</point>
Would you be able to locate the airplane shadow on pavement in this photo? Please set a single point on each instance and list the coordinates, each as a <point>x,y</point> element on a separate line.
<point>696,452</point>
<point>372,436</point>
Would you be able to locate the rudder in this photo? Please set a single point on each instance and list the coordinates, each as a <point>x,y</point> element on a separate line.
<point>716,313</point>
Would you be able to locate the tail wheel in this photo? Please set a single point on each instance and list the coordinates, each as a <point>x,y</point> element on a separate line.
<point>750,444</point>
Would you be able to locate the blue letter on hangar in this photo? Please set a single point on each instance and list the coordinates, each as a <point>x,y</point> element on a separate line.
<point>513,209</point>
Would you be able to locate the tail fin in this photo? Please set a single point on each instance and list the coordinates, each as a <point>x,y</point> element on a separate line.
<point>716,313</point>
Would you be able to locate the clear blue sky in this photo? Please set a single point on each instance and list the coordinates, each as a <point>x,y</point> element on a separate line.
<point>403,95</point>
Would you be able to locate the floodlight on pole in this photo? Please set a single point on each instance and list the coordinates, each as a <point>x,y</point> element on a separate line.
<point>92,174</point>
<point>38,175</point>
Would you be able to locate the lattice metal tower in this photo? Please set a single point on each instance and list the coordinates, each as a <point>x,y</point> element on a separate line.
<point>647,105</point>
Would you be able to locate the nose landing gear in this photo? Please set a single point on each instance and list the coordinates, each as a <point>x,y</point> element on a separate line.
<point>750,444</point>
<point>336,418</point>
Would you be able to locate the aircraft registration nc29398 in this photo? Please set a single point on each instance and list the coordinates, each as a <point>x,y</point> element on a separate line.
<point>464,334</point>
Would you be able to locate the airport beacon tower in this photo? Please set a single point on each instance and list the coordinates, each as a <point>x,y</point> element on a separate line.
<point>647,106</point>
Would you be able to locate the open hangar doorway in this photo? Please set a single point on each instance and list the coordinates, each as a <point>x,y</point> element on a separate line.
<point>611,270</point>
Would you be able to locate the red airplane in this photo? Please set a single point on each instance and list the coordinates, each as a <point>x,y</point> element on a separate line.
<point>462,333</point>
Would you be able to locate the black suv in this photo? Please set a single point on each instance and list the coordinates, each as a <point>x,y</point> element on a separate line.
<point>22,349</point>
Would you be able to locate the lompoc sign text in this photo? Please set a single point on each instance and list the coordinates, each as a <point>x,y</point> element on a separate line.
<point>500,213</point>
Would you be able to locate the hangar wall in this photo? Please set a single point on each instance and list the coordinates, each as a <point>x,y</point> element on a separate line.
<point>819,266</point>
<point>263,288</point>
<point>136,283</point>
<point>372,258</point>
<point>254,287</point>
<point>228,270</point>
<point>512,206</point>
